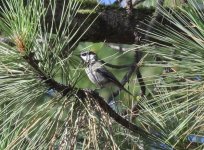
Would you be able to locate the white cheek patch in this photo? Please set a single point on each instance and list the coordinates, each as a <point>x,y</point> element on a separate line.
<point>91,57</point>
<point>84,58</point>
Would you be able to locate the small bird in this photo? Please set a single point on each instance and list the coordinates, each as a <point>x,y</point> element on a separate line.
<point>97,73</point>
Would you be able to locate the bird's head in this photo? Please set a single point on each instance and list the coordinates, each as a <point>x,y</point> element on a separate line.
<point>88,56</point>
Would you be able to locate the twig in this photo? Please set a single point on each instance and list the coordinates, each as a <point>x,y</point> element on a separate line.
<point>116,66</point>
<point>139,75</point>
<point>155,18</point>
<point>125,79</point>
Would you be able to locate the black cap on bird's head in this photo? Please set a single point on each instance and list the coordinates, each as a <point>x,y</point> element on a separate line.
<point>88,56</point>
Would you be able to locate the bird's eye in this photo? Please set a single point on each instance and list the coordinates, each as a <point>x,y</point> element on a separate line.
<point>84,54</point>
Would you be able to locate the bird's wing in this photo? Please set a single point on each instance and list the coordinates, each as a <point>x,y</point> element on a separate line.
<point>108,75</point>
<point>114,66</point>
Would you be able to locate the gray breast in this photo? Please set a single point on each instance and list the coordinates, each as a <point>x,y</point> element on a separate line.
<point>95,76</point>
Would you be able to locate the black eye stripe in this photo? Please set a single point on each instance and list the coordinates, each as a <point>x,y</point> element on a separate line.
<point>88,53</point>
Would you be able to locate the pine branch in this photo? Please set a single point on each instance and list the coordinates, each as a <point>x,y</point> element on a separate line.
<point>88,95</point>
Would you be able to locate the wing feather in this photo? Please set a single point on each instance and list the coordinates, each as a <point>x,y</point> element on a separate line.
<point>108,75</point>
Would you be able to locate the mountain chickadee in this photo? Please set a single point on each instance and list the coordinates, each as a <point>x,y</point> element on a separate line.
<point>97,73</point>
